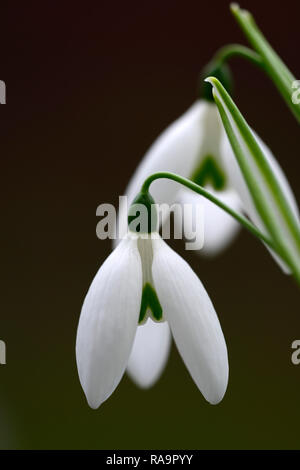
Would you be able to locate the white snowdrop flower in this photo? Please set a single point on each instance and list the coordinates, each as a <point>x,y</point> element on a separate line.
<point>145,280</point>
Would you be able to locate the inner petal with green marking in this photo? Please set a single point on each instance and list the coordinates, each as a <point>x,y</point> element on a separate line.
<point>150,305</point>
<point>150,301</point>
<point>209,172</point>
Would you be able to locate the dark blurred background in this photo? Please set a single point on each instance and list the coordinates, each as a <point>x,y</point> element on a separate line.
<point>89,87</point>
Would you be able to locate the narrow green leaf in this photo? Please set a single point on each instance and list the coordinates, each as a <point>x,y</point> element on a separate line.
<point>281,76</point>
<point>266,191</point>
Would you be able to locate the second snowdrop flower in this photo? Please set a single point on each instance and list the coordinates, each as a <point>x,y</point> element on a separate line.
<point>195,146</point>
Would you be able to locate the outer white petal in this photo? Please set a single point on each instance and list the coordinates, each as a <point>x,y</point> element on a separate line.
<point>108,322</point>
<point>219,228</point>
<point>193,321</point>
<point>239,184</point>
<point>150,353</point>
<point>177,150</point>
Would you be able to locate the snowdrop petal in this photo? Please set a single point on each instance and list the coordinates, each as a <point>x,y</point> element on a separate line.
<point>149,353</point>
<point>108,322</point>
<point>238,182</point>
<point>220,229</point>
<point>175,150</point>
<point>193,321</point>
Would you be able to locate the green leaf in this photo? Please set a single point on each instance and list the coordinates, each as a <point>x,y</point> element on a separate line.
<point>278,72</point>
<point>266,192</point>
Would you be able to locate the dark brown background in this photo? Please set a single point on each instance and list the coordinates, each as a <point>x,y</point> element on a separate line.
<point>89,87</point>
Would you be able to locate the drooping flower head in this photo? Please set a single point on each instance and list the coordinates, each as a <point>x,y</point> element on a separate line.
<point>145,280</point>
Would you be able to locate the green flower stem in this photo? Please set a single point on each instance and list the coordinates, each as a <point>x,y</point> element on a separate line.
<point>273,65</point>
<point>200,190</point>
<point>237,50</point>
